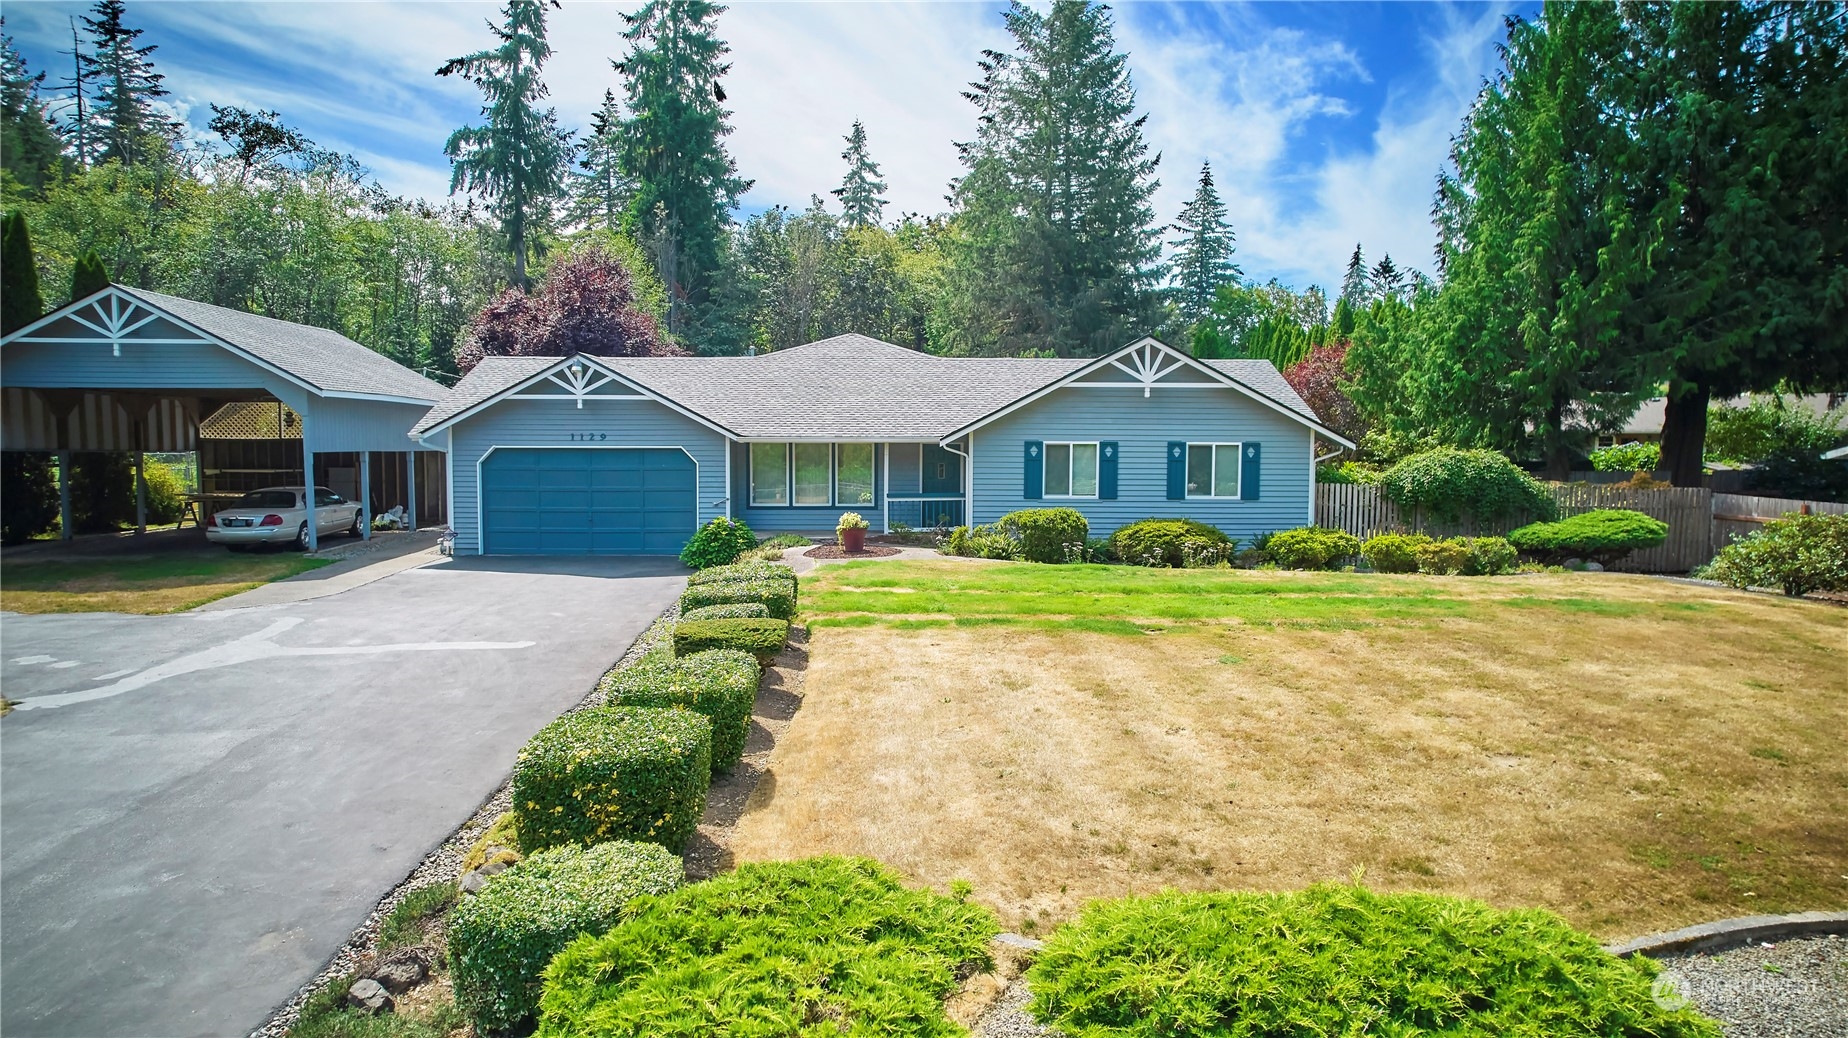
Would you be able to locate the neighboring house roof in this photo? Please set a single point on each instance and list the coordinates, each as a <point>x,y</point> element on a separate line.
<point>1650,415</point>
<point>326,360</point>
<point>849,387</point>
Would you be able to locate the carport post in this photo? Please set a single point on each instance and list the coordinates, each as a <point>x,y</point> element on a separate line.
<point>65,532</point>
<point>314,534</point>
<point>410,491</point>
<point>365,495</point>
<point>141,493</point>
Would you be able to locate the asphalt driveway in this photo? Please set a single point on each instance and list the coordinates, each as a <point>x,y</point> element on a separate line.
<point>197,809</point>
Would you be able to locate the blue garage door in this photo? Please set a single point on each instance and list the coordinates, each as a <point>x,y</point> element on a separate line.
<point>598,501</point>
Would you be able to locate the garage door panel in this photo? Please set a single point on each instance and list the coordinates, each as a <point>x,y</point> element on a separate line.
<point>615,501</point>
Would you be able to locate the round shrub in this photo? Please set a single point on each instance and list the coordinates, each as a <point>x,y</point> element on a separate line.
<point>1337,959</point>
<point>1603,535</point>
<point>1161,542</point>
<point>762,638</point>
<point>1627,457</point>
<point>717,543</point>
<point>501,939</point>
<point>776,595</point>
<point>615,773</point>
<point>1796,554</point>
<point>1449,484</point>
<point>828,946</point>
<point>1311,547</point>
<point>1393,552</point>
<point>1490,556</point>
<point>736,571</point>
<point>166,496</point>
<point>730,611</point>
<point>719,683</point>
<point>1443,557</point>
<point>1046,534</point>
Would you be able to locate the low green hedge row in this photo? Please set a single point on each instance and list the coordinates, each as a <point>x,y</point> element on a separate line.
<point>1337,960</point>
<point>828,946</point>
<point>752,570</point>
<point>728,611</point>
<point>761,637</point>
<point>501,939</point>
<point>778,596</point>
<point>614,773</point>
<point>1046,534</point>
<point>1602,535</point>
<point>1311,547</point>
<point>720,684</point>
<point>1168,542</point>
<point>1418,553</point>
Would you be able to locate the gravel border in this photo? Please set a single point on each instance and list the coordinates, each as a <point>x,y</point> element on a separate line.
<point>445,862</point>
<point>1784,989</point>
<point>1732,933</point>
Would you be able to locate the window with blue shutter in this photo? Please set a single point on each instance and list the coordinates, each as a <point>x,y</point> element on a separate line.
<point>1035,470</point>
<point>1248,472</point>
<point>1107,471</point>
<point>1177,470</point>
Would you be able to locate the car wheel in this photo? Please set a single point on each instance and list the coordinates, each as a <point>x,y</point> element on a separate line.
<point>354,530</point>
<point>301,538</point>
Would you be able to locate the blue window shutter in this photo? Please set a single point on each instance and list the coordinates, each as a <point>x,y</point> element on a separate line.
<point>1248,471</point>
<point>1177,470</point>
<point>1035,482</point>
<point>1106,471</point>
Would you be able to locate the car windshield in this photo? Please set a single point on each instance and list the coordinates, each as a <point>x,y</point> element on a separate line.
<point>268,499</point>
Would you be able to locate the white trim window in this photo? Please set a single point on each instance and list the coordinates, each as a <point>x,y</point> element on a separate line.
<point>1070,470</point>
<point>853,475</point>
<point>1213,469</point>
<point>811,475</point>
<point>769,474</point>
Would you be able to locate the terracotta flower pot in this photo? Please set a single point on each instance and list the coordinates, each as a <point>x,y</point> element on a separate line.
<point>853,539</point>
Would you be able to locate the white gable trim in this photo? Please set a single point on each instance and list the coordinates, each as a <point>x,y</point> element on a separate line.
<point>1147,361</point>
<point>580,388</point>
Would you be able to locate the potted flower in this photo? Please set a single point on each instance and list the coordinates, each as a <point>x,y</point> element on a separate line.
<point>851,531</point>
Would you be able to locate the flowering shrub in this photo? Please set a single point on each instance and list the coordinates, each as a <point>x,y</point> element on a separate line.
<point>614,773</point>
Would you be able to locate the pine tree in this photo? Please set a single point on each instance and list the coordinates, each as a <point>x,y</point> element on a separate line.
<point>1203,252</point>
<point>76,124</point>
<point>861,205</point>
<point>1386,281</point>
<point>20,300</point>
<point>1063,250</point>
<point>598,188</point>
<point>1354,285</point>
<point>124,88</point>
<point>29,145</point>
<point>518,159</point>
<point>686,185</point>
<point>88,275</point>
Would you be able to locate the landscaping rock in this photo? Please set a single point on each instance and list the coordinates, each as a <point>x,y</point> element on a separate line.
<point>472,882</point>
<point>402,969</point>
<point>1593,567</point>
<point>494,866</point>
<point>369,996</point>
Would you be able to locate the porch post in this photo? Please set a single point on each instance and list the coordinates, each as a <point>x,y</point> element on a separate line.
<point>65,532</point>
<point>885,488</point>
<point>969,483</point>
<point>141,493</point>
<point>313,520</point>
<point>365,495</point>
<point>410,491</point>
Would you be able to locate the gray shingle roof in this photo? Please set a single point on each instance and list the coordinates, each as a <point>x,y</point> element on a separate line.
<point>326,360</point>
<point>849,387</point>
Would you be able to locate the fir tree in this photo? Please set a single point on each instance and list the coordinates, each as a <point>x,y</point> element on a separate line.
<point>20,300</point>
<point>598,188</point>
<point>1386,281</point>
<point>88,275</point>
<point>1203,252</point>
<point>76,125</point>
<point>1063,249</point>
<point>861,205</point>
<point>1354,285</point>
<point>29,145</point>
<point>123,90</point>
<point>518,159</point>
<point>686,185</point>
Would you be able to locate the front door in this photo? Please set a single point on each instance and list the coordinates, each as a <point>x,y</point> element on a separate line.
<point>942,471</point>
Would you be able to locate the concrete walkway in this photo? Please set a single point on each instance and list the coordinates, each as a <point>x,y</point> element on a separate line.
<point>356,569</point>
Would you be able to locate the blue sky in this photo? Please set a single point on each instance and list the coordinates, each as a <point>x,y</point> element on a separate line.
<point>1325,123</point>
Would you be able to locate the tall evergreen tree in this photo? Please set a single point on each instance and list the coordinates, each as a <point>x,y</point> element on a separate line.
<point>1203,252</point>
<point>518,159</point>
<point>1386,281</point>
<point>598,188</point>
<point>20,300</point>
<point>88,276</point>
<point>861,203</point>
<point>1063,251</point>
<point>686,184</point>
<point>1354,285</point>
<point>123,89</point>
<point>29,145</point>
<point>76,114</point>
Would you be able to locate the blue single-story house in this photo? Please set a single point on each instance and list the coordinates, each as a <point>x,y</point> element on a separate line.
<point>621,455</point>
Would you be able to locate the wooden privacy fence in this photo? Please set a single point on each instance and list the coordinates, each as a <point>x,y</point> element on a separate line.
<point>1361,510</point>
<point>1735,515</point>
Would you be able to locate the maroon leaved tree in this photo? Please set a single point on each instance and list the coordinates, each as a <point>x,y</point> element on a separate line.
<point>1320,379</point>
<point>585,305</point>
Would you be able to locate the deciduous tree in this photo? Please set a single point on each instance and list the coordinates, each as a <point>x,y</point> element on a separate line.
<point>586,304</point>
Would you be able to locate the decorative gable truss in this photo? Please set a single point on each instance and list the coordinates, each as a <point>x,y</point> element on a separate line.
<point>577,381</point>
<point>110,316</point>
<point>1145,364</point>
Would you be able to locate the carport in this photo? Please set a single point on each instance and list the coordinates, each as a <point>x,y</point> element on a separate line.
<point>260,400</point>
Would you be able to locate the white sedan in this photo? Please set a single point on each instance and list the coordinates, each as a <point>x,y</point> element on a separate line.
<point>277,515</point>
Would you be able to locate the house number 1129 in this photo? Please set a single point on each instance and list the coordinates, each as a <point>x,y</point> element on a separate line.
<point>588,437</point>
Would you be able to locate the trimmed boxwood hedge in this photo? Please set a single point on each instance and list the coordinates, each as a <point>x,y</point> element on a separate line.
<point>1603,535</point>
<point>828,946</point>
<point>753,570</point>
<point>501,939</point>
<point>1337,960</point>
<point>762,638</point>
<point>1311,547</point>
<point>777,595</point>
<point>614,773</point>
<point>729,611</point>
<point>721,684</point>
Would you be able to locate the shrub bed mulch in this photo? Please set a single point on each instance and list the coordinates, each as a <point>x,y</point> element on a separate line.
<point>835,551</point>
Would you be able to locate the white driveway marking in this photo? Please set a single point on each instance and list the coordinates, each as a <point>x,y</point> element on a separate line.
<point>114,674</point>
<point>65,664</point>
<point>254,646</point>
<point>27,661</point>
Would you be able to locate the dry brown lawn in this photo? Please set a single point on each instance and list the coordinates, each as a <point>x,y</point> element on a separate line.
<point>164,581</point>
<point>1632,753</point>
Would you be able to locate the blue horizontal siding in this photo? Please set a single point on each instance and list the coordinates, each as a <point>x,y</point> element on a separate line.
<point>543,423</point>
<point>1142,427</point>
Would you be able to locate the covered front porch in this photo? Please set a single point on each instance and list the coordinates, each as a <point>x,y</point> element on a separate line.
<point>780,486</point>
